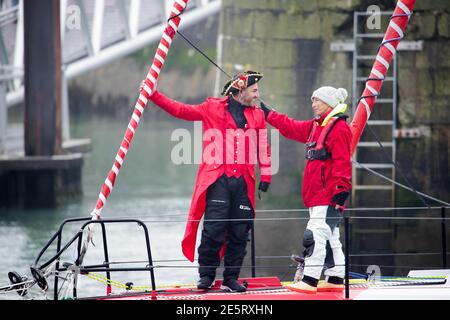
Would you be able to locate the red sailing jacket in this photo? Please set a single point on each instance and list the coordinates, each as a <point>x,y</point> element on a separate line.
<point>321,178</point>
<point>222,144</point>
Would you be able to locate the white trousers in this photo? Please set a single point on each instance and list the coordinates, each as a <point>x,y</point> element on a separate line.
<point>322,232</point>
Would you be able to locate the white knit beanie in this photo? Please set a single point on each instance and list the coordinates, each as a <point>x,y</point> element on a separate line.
<point>331,96</point>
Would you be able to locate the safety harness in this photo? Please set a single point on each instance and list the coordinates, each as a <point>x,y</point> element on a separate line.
<point>316,150</point>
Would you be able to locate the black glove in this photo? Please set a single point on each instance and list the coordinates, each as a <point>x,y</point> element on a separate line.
<point>264,186</point>
<point>265,109</point>
<point>340,198</point>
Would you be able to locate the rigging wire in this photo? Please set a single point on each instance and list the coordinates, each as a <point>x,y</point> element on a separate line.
<point>288,211</point>
<point>197,48</point>
<point>420,194</point>
<point>203,54</point>
<point>397,167</point>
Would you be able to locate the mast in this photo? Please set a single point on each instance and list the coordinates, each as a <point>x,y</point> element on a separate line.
<point>150,84</point>
<point>386,52</point>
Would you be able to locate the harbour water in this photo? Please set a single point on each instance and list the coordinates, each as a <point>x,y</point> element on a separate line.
<point>149,187</point>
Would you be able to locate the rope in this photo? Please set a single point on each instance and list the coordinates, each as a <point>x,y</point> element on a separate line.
<point>419,194</point>
<point>361,281</point>
<point>203,54</point>
<point>298,219</point>
<point>198,49</point>
<point>211,61</point>
<point>390,278</point>
<point>282,211</point>
<point>394,267</point>
<point>376,284</point>
<point>129,286</point>
<point>367,281</point>
<point>108,282</point>
<point>395,254</point>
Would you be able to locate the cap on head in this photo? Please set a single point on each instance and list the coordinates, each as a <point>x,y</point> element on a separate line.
<point>331,96</point>
<point>241,82</point>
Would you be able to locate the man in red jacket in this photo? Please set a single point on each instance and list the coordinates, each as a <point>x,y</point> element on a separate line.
<point>326,184</point>
<point>225,186</point>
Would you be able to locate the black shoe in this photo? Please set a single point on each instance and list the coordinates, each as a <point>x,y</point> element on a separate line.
<point>232,285</point>
<point>205,283</point>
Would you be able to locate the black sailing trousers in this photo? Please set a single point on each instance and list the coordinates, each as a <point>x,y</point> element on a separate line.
<point>226,199</point>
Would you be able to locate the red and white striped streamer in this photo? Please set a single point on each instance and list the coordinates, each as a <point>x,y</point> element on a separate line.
<point>149,87</point>
<point>381,66</point>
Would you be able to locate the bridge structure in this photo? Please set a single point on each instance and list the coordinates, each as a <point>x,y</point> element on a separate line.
<point>43,45</point>
<point>93,34</point>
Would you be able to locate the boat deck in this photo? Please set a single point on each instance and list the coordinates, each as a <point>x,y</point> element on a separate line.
<point>272,289</point>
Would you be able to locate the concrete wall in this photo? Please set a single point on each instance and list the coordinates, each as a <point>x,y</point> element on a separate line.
<point>289,41</point>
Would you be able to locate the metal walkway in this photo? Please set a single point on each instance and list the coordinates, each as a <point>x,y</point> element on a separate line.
<point>93,34</point>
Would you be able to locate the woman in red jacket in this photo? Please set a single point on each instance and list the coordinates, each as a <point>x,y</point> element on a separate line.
<point>225,186</point>
<point>326,184</point>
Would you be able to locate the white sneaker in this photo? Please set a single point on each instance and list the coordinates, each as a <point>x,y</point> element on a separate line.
<point>331,284</point>
<point>302,287</point>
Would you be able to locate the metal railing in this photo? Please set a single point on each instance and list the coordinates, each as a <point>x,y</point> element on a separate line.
<point>105,267</point>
